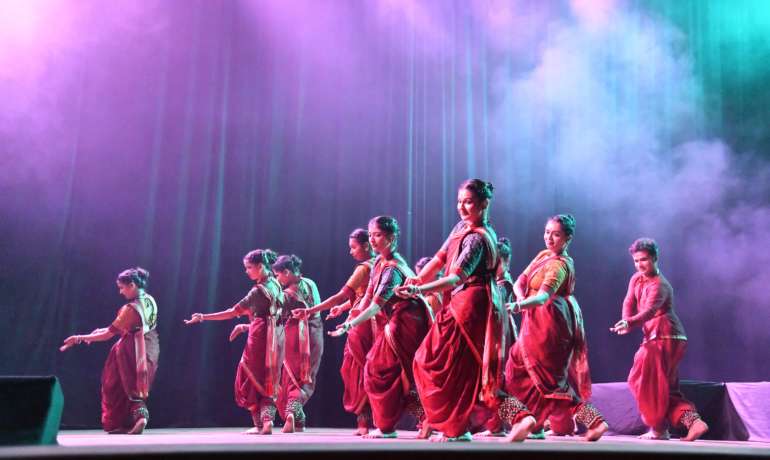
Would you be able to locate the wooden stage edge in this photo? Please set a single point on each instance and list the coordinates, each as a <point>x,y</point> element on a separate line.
<point>199,443</point>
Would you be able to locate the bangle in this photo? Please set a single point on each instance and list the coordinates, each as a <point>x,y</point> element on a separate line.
<point>417,290</point>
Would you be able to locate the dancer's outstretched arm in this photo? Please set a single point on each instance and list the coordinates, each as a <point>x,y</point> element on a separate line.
<point>339,298</point>
<point>97,335</point>
<point>230,313</point>
<point>365,315</point>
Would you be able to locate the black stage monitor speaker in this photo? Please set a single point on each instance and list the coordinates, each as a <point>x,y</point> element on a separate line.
<point>30,410</point>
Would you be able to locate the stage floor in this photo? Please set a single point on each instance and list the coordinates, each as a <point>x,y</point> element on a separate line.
<point>341,443</point>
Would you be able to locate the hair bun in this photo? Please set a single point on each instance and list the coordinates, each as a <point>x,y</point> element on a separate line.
<point>567,222</point>
<point>483,190</point>
<point>270,256</point>
<point>296,261</point>
<point>142,273</point>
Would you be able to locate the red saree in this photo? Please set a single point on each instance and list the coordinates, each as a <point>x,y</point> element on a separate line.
<point>357,346</point>
<point>654,377</point>
<point>131,365</point>
<point>257,379</point>
<point>388,377</point>
<point>459,362</point>
<point>547,368</point>
<point>304,348</point>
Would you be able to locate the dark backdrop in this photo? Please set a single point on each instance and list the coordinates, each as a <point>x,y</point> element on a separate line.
<point>178,135</point>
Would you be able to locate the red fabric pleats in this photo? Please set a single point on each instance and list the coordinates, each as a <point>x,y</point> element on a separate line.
<point>298,384</point>
<point>654,382</point>
<point>388,369</point>
<point>252,379</point>
<point>547,367</point>
<point>448,364</point>
<point>357,346</point>
<point>119,379</point>
<point>552,347</point>
<point>520,384</point>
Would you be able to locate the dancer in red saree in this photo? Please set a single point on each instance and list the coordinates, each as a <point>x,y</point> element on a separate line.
<point>459,362</point>
<point>547,368</point>
<point>304,343</point>
<point>131,365</point>
<point>360,338</point>
<point>258,377</point>
<point>402,324</point>
<point>486,422</point>
<point>654,377</point>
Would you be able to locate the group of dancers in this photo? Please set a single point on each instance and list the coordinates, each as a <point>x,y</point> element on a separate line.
<point>439,343</point>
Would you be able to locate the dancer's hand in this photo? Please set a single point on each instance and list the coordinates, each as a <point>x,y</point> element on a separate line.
<point>407,291</point>
<point>70,342</point>
<point>341,330</point>
<point>410,281</point>
<point>513,307</point>
<point>238,330</point>
<point>335,312</point>
<point>620,328</point>
<point>195,318</point>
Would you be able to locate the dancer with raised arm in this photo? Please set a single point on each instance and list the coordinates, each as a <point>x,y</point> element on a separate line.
<point>459,362</point>
<point>402,324</point>
<point>360,338</point>
<point>258,377</point>
<point>654,377</point>
<point>304,342</point>
<point>547,368</point>
<point>133,360</point>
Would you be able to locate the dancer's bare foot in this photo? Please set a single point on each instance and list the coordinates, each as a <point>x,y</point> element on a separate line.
<point>697,429</point>
<point>593,434</point>
<point>488,434</point>
<point>465,437</point>
<point>138,427</point>
<point>656,435</point>
<point>540,434</point>
<point>361,431</point>
<point>377,434</point>
<point>425,431</point>
<point>288,425</point>
<point>267,428</point>
<point>253,430</point>
<point>520,431</point>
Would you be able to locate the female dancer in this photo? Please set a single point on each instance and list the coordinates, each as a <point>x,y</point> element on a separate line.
<point>654,377</point>
<point>131,365</point>
<point>304,343</point>
<point>492,425</point>
<point>460,359</point>
<point>547,368</point>
<point>360,338</point>
<point>402,324</point>
<point>259,372</point>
